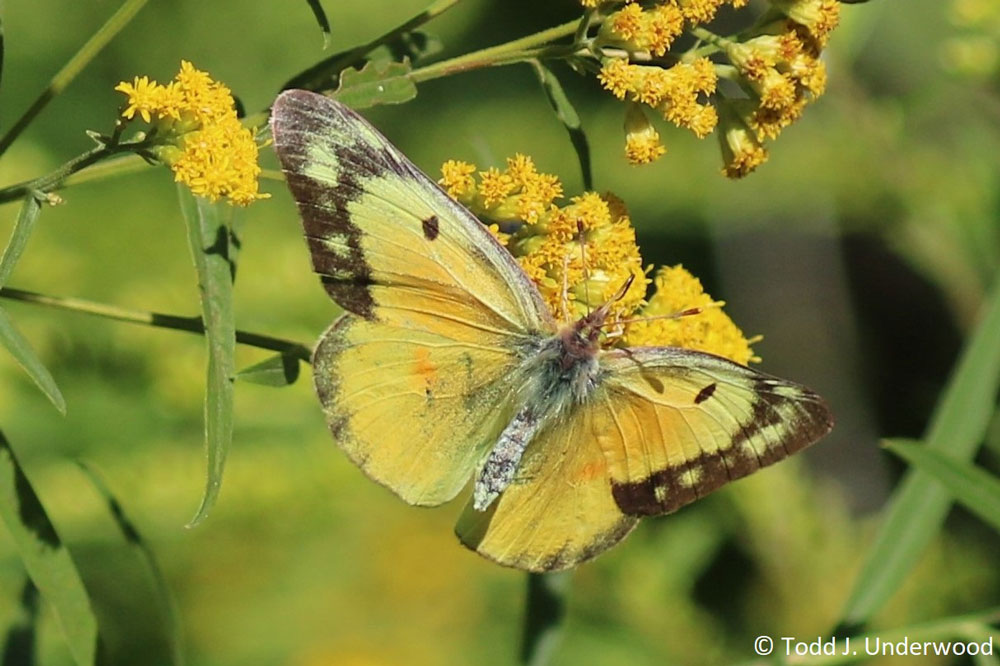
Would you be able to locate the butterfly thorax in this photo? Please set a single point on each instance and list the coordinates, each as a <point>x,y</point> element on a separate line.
<point>558,373</point>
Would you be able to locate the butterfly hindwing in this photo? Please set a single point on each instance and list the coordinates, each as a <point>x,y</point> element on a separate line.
<point>559,511</point>
<point>414,379</point>
<point>665,427</point>
<point>691,422</point>
<point>414,409</point>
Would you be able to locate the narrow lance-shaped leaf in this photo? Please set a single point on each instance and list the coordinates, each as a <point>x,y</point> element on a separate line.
<point>279,370</point>
<point>26,218</point>
<point>568,116</point>
<point>18,346</point>
<point>918,507</point>
<point>376,83</point>
<point>23,227</point>
<point>45,558</point>
<point>10,337</point>
<point>213,248</point>
<point>976,489</point>
<point>19,644</point>
<point>135,540</point>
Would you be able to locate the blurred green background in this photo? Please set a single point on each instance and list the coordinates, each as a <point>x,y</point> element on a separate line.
<point>861,251</point>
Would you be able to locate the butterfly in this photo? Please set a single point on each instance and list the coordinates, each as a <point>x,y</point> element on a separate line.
<point>448,366</point>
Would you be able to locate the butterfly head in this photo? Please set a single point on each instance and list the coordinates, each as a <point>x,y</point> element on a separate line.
<point>583,338</point>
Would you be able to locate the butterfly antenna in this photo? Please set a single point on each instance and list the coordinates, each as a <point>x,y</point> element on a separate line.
<point>688,312</point>
<point>564,300</point>
<point>583,261</point>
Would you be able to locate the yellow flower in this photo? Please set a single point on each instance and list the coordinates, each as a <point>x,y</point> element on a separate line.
<point>742,151</point>
<point>642,141</point>
<point>143,97</point>
<point>581,254</point>
<point>819,17</point>
<point>197,134</point>
<point>700,11</point>
<point>775,60</point>
<point>711,330</point>
<point>457,179</point>
<point>618,77</point>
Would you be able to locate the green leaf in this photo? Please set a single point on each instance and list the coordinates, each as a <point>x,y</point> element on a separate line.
<point>19,645</point>
<point>321,19</point>
<point>279,370</point>
<point>376,83</point>
<point>545,617</point>
<point>18,346</point>
<point>46,559</point>
<point>919,505</point>
<point>134,539</point>
<point>213,246</point>
<point>568,116</point>
<point>23,227</point>
<point>977,490</point>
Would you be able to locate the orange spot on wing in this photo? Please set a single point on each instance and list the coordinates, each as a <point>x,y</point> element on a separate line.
<point>424,366</point>
<point>591,471</point>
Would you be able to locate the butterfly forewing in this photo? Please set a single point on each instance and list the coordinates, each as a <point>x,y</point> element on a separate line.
<point>692,422</point>
<point>382,234</point>
<point>415,380</point>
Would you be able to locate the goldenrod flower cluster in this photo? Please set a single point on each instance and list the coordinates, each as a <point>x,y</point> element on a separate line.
<point>195,131</point>
<point>775,64</point>
<point>582,253</point>
<point>711,330</point>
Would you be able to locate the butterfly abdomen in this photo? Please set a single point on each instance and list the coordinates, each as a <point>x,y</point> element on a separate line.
<point>557,376</point>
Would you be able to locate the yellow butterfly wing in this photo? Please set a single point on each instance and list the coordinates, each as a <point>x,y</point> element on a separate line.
<point>665,427</point>
<point>692,422</point>
<point>559,510</point>
<point>414,380</point>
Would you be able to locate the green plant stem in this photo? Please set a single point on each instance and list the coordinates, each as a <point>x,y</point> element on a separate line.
<point>713,43</point>
<point>75,65</point>
<point>315,76</point>
<point>118,165</point>
<point>57,178</point>
<point>156,319</point>
<point>708,36</point>
<point>545,616</point>
<point>525,48</point>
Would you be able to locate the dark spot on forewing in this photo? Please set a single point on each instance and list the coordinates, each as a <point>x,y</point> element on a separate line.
<point>653,382</point>
<point>430,226</point>
<point>705,394</point>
